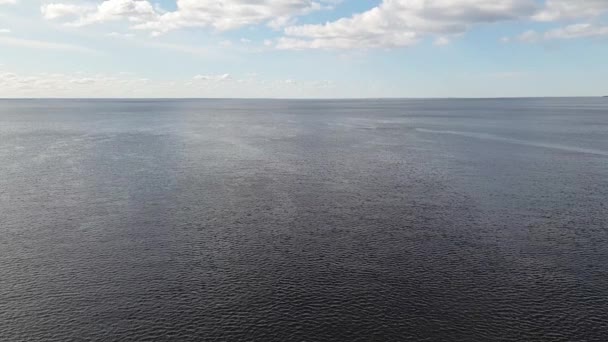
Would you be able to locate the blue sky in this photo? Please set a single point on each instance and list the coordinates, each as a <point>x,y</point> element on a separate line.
<point>303,48</point>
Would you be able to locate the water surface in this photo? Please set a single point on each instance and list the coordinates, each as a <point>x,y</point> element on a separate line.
<point>260,220</point>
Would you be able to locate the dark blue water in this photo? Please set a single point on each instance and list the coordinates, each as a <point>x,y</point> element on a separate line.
<point>232,220</point>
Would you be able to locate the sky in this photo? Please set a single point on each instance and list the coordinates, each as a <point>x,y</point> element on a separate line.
<point>303,48</point>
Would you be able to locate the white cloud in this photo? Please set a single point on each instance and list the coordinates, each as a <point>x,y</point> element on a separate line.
<point>130,85</point>
<point>226,43</point>
<point>214,78</point>
<point>121,35</point>
<point>110,10</point>
<point>62,84</point>
<point>578,31</point>
<point>40,44</point>
<point>391,24</point>
<point>231,14</point>
<point>8,2</point>
<point>442,41</point>
<point>574,31</point>
<point>8,76</point>
<point>571,9</point>
<point>220,15</point>
<point>5,31</point>
<point>54,11</point>
<point>396,23</point>
<point>529,36</point>
<point>189,49</point>
<point>82,81</point>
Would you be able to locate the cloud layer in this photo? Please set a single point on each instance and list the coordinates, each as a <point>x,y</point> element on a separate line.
<point>573,31</point>
<point>571,9</point>
<point>129,85</point>
<point>219,15</point>
<point>391,24</point>
<point>397,23</point>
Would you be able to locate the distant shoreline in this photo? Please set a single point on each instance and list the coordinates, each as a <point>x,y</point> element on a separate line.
<point>289,99</point>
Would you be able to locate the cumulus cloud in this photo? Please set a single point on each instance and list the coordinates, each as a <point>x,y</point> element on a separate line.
<point>396,23</point>
<point>7,76</point>
<point>44,45</point>
<point>232,14</point>
<point>220,15</point>
<point>442,41</point>
<point>82,81</point>
<point>67,84</point>
<point>391,24</point>
<point>54,11</point>
<point>571,9</point>
<point>121,35</point>
<point>8,2</point>
<point>529,36</point>
<point>110,10</point>
<point>222,77</point>
<point>130,85</point>
<point>578,31</point>
<point>574,31</point>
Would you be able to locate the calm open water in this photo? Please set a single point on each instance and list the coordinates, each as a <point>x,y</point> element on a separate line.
<point>258,220</point>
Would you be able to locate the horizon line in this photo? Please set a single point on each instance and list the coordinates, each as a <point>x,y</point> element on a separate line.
<point>303,98</point>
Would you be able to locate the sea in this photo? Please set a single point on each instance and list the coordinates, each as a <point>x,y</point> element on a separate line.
<point>304,220</point>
